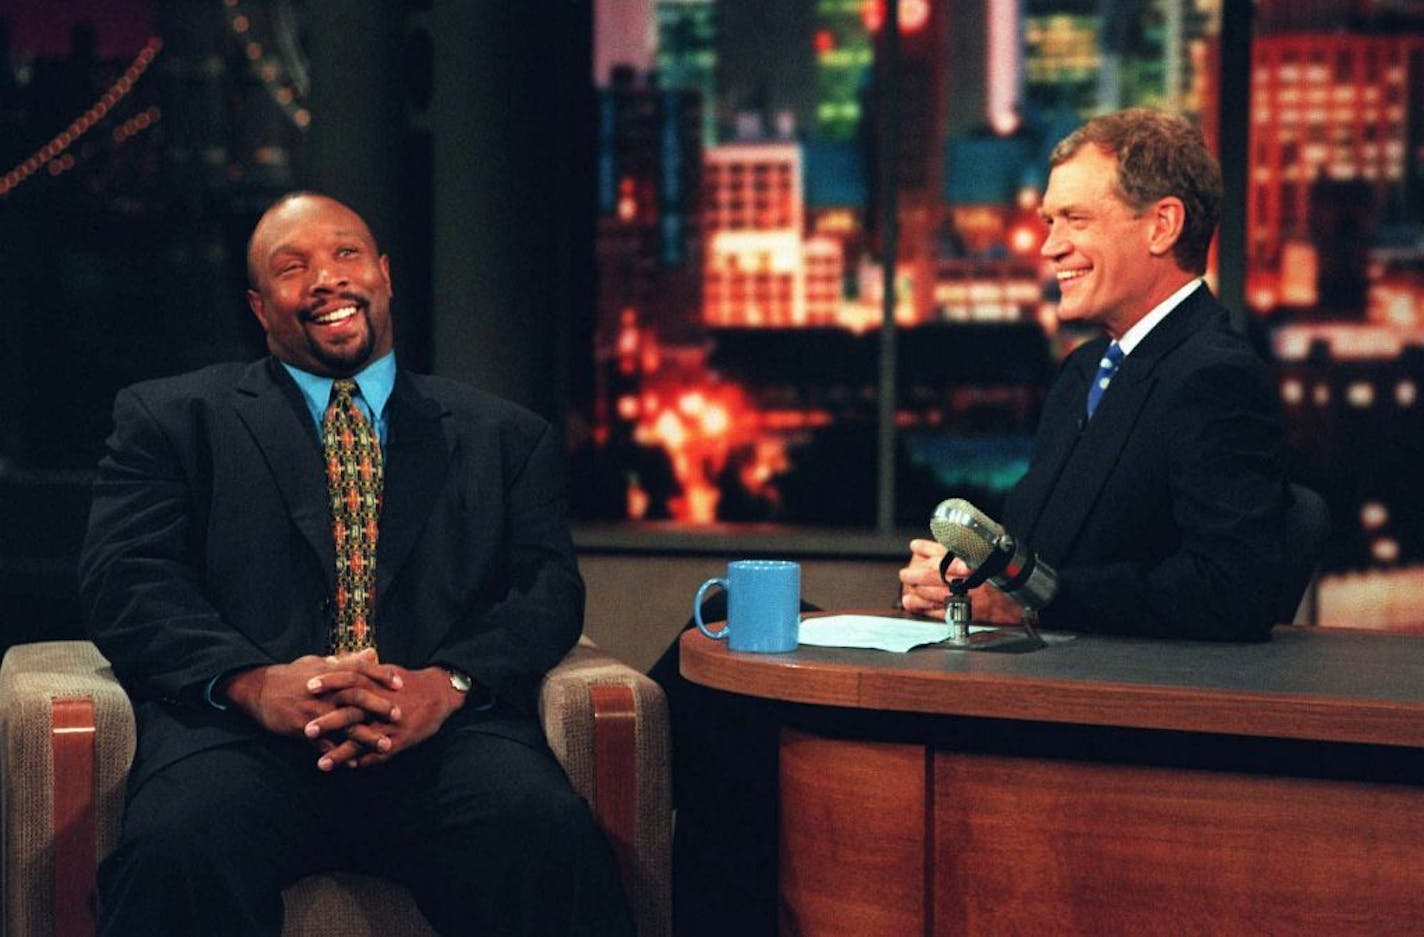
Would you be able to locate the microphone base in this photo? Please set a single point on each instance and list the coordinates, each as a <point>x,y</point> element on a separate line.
<point>1001,640</point>
<point>964,635</point>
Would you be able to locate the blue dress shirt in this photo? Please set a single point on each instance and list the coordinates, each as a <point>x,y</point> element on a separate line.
<point>375,382</point>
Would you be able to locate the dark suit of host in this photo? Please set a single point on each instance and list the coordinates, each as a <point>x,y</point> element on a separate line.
<point>1161,512</point>
<point>208,574</point>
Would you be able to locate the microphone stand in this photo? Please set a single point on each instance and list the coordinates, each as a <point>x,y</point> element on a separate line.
<point>959,608</point>
<point>1029,620</point>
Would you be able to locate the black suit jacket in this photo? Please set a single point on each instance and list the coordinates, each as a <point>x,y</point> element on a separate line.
<point>209,547</point>
<point>1162,514</point>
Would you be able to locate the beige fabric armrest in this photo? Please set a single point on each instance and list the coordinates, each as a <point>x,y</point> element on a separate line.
<point>608,725</point>
<point>64,685</point>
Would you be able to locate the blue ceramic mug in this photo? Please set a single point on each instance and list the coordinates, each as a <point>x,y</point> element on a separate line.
<point>763,605</point>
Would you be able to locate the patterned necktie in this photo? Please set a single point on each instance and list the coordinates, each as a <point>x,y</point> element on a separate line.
<point>1107,367</point>
<point>354,475</point>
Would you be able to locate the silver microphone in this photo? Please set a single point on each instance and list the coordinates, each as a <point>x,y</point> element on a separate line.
<point>1012,568</point>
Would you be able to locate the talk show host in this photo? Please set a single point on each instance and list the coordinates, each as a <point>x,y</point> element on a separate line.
<point>1157,497</point>
<point>1158,494</point>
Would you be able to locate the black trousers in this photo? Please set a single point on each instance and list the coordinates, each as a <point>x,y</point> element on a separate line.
<point>725,789</point>
<point>486,832</point>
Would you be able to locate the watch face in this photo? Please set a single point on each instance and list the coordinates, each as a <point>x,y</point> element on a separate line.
<point>460,681</point>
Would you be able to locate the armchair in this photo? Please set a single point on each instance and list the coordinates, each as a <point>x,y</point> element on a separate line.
<point>67,742</point>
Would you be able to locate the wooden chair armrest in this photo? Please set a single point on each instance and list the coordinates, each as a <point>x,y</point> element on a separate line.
<point>608,725</point>
<point>68,743</point>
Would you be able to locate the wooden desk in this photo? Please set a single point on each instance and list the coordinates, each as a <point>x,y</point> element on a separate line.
<point>1101,786</point>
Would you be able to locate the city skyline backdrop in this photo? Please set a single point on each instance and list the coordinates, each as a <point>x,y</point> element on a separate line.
<point>739,279</point>
<point>722,350</point>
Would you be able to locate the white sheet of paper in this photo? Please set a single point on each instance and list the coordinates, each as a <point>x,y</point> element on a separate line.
<point>878,632</point>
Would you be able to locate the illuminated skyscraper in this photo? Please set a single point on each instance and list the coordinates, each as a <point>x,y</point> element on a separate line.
<point>1090,56</point>
<point>687,54</point>
<point>843,58</point>
<point>648,240</point>
<point>923,71</point>
<point>753,218</point>
<point>1330,112</point>
<point>1062,55</point>
<point>824,264</point>
<point>1334,216</point>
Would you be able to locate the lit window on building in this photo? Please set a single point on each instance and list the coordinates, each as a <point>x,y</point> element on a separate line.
<point>1373,515</point>
<point>1385,550</point>
<point>1292,391</point>
<point>1405,393</point>
<point>1321,394</point>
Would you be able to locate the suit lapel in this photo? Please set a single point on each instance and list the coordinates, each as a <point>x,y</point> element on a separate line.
<point>270,405</point>
<point>417,460</point>
<point>1057,437</point>
<point>1091,461</point>
<point>1087,459</point>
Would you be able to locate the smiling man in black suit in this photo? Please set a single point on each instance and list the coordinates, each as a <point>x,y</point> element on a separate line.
<point>317,691</point>
<point>1156,483</point>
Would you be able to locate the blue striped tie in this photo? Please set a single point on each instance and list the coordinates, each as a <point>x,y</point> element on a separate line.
<point>1107,368</point>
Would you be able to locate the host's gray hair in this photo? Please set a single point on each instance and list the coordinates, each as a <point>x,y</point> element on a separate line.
<point>1158,155</point>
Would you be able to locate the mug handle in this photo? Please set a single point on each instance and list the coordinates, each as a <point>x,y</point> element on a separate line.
<point>697,609</point>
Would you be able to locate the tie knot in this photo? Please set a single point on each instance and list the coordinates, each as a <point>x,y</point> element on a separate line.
<point>1111,358</point>
<point>342,389</point>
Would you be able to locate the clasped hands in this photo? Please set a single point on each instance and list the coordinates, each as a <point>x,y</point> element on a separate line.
<point>355,710</point>
<point>924,592</point>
